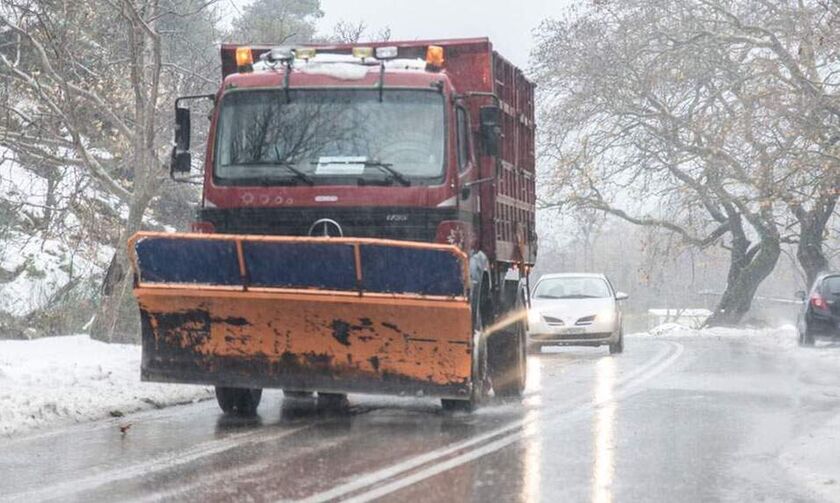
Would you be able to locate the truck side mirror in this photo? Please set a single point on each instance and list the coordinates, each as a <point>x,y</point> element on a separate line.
<point>181,158</point>
<point>490,118</point>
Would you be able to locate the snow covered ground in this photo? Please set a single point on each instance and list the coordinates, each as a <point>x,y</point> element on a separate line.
<point>55,381</point>
<point>813,457</point>
<point>784,339</point>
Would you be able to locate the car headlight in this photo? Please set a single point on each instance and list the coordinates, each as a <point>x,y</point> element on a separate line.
<point>606,316</point>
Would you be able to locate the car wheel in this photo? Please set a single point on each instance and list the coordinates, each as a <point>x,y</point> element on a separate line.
<point>618,347</point>
<point>238,401</point>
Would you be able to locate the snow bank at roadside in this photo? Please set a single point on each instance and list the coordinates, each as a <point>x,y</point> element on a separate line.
<point>64,380</point>
<point>783,337</point>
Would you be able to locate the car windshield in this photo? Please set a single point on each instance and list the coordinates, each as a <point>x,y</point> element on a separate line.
<point>572,288</point>
<point>329,136</point>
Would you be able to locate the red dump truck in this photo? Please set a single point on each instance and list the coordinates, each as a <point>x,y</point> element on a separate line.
<point>366,226</point>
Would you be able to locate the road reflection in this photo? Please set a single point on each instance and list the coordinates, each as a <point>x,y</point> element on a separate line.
<point>603,468</point>
<point>533,439</point>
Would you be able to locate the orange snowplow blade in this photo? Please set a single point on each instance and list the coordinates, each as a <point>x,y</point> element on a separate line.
<point>316,314</point>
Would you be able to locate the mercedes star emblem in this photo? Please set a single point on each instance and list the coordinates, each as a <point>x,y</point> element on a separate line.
<point>327,228</point>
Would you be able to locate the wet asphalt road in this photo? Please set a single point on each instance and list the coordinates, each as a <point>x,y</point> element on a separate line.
<point>669,420</point>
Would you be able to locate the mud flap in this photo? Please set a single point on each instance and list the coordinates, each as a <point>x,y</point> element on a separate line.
<point>326,314</point>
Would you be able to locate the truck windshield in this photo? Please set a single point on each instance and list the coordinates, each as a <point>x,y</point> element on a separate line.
<point>330,136</point>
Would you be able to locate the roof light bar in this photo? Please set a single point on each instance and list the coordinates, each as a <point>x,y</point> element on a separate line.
<point>305,53</point>
<point>283,53</point>
<point>363,52</point>
<point>390,52</point>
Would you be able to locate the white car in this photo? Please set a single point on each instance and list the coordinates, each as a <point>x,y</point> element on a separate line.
<point>575,309</point>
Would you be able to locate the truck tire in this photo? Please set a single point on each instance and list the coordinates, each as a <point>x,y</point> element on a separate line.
<point>238,401</point>
<point>507,354</point>
<point>297,395</point>
<point>332,401</point>
<point>478,389</point>
<point>479,377</point>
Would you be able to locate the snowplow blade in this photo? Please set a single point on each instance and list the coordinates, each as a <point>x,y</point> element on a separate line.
<point>308,314</point>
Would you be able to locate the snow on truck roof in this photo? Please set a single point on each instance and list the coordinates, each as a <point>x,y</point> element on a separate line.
<point>343,66</point>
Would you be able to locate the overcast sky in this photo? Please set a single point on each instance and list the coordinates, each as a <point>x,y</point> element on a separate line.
<point>507,23</point>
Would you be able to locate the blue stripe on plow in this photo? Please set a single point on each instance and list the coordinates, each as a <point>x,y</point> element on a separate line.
<point>173,260</point>
<point>300,265</point>
<point>394,269</point>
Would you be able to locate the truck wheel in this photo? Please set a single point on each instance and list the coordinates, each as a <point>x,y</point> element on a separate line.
<point>238,401</point>
<point>479,388</point>
<point>507,362</point>
<point>297,395</point>
<point>507,359</point>
<point>618,347</point>
<point>479,377</point>
<point>332,400</point>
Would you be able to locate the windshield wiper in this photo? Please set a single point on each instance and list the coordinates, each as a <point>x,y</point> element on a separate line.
<point>298,175</point>
<point>388,168</point>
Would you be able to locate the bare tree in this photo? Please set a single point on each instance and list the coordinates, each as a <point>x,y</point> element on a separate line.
<point>93,80</point>
<point>276,22</point>
<point>658,115</point>
<point>349,32</point>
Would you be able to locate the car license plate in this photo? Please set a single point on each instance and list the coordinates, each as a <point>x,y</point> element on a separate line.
<point>572,331</point>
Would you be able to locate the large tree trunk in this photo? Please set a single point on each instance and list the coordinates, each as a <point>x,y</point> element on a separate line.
<point>116,319</point>
<point>811,235</point>
<point>748,267</point>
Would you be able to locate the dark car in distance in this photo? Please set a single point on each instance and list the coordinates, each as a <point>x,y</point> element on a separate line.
<point>820,313</point>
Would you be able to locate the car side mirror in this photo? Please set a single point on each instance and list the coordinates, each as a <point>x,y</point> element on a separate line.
<point>181,159</point>
<point>800,295</point>
<point>621,296</point>
<point>490,118</point>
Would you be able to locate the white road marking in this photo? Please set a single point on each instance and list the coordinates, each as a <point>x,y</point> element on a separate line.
<point>158,463</point>
<point>512,432</point>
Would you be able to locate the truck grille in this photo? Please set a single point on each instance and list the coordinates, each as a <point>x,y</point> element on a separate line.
<point>408,224</point>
